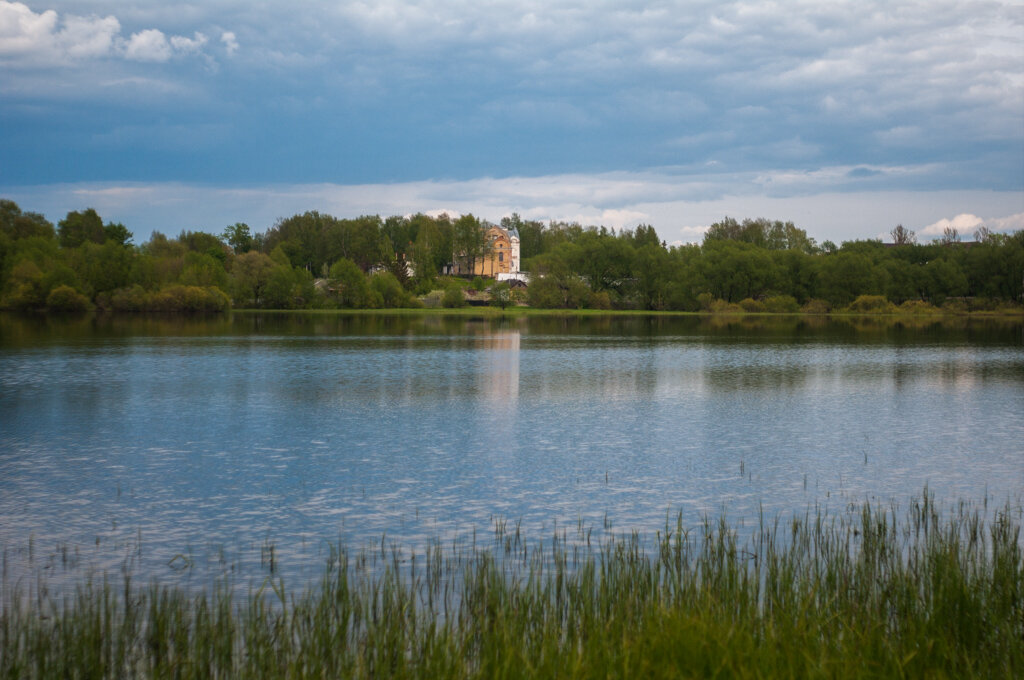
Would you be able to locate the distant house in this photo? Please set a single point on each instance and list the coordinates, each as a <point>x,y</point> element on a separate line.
<point>502,256</point>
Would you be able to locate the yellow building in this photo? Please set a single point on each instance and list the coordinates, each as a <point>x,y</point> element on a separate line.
<point>502,255</point>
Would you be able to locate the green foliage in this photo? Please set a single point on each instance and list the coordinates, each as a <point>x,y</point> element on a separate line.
<point>67,299</point>
<point>250,276</point>
<point>501,294</point>
<point>117,233</point>
<point>288,288</point>
<point>872,592</point>
<point>348,285</point>
<point>917,307</point>
<point>189,299</point>
<point>16,224</point>
<point>469,241</point>
<point>388,290</point>
<point>761,233</point>
<point>453,297</point>
<point>78,227</point>
<point>816,306</point>
<point>870,304</point>
<point>752,306</point>
<point>575,266</point>
<point>238,237</point>
<point>781,304</point>
<point>101,268</point>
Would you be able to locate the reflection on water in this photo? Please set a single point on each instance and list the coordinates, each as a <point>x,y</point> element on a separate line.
<point>215,435</point>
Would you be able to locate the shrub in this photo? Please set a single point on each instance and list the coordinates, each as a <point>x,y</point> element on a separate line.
<point>723,307</point>
<point>501,295</point>
<point>433,298</point>
<point>189,299</point>
<point>134,299</point>
<point>705,300</point>
<point>390,290</point>
<point>870,304</point>
<point>599,300</point>
<point>782,304</point>
<point>752,305</point>
<point>816,306</point>
<point>453,297</point>
<point>917,307</point>
<point>67,299</point>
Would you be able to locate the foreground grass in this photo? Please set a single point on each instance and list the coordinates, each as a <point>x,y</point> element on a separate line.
<point>882,593</point>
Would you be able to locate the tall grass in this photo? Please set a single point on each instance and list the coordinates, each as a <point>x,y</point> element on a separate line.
<point>883,592</point>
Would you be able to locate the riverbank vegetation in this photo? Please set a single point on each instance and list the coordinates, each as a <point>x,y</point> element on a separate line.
<point>317,261</point>
<point>918,591</point>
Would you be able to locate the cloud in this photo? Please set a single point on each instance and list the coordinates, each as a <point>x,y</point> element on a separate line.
<point>230,42</point>
<point>622,200</point>
<point>49,39</point>
<point>966,224</point>
<point>25,35</point>
<point>148,45</point>
<point>192,45</point>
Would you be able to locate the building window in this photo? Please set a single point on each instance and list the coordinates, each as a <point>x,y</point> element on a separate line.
<point>501,257</point>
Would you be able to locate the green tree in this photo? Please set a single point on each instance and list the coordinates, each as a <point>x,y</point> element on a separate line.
<point>67,299</point>
<point>16,224</point>
<point>469,241</point>
<point>348,285</point>
<point>238,237</point>
<point>250,275</point>
<point>501,294</point>
<point>117,233</point>
<point>101,268</point>
<point>902,236</point>
<point>79,227</point>
<point>388,290</point>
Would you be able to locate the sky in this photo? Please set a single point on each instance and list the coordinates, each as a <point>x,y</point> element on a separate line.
<point>845,117</point>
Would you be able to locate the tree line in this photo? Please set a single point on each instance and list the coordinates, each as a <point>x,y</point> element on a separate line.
<point>315,260</point>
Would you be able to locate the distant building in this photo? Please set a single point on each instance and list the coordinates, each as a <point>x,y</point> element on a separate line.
<point>502,256</point>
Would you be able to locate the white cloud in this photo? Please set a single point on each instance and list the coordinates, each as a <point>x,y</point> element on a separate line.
<point>24,31</point>
<point>192,45</point>
<point>25,35</point>
<point>230,42</point>
<point>148,45</point>
<point>1007,224</point>
<point>664,201</point>
<point>87,37</point>
<point>966,224</point>
<point>49,38</point>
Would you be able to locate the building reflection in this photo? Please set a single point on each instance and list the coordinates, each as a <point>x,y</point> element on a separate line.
<point>499,366</point>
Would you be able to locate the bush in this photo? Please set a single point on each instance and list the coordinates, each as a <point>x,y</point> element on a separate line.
<point>782,304</point>
<point>189,299</point>
<point>917,307</point>
<point>599,300</point>
<point>723,307</point>
<point>479,284</point>
<point>870,304</point>
<point>705,300</point>
<point>67,299</point>
<point>816,306</point>
<point>501,295</point>
<point>751,305</point>
<point>453,297</point>
<point>433,298</point>
<point>134,299</point>
<point>390,290</point>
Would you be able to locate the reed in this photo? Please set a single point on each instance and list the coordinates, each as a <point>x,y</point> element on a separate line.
<point>919,591</point>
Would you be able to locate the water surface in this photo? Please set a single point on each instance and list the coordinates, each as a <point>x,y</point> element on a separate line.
<point>143,438</point>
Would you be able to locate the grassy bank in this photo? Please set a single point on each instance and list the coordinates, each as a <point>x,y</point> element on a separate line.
<point>883,592</point>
